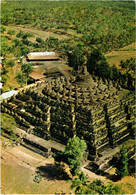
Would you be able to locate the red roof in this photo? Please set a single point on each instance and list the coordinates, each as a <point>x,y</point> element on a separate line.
<point>36,76</point>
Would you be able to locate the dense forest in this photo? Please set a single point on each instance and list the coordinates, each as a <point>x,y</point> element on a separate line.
<point>107,25</point>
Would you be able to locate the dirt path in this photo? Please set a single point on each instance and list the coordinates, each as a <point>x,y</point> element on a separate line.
<point>94,176</point>
<point>37,32</point>
<point>18,168</point>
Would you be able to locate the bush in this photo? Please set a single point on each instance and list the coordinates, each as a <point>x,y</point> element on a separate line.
<point>3,29</point>
<point>11,32</point>
<point>20,34</point>
<point>4,79</point>
<point>2,131</point>
<point>13,136</point>
<point>11,63</point>
<point>39,40</point>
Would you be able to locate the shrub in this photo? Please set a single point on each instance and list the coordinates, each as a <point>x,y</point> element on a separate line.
<point>13,136</point>
<point>11,32</point>
<point>11,63</point>
<point>3,29</point>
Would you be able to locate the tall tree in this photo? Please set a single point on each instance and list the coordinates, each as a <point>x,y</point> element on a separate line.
<point>75,58</point>
<point>115,73</point>
<point>75,150</point>
<point>27,69</point>
<point>98,64</point>
<point>73,154</point>
<point>21,78</point>
<point>122,164</point>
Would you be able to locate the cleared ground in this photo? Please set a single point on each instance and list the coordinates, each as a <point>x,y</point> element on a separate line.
<point>19,166</point>
<point>18,171</point>
<point>124,53</point>
<point>36,32</point>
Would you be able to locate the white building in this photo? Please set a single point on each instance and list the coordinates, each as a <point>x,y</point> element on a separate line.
<point>7,94</point>
<point>42,54</point>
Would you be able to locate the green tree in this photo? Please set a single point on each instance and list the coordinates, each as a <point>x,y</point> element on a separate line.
<point>73,154</point>
<point>4,78</point>
<point>75,150</point>
<point>3,29</point>
<point>98,64</point>
<point>11,32</point>
<point>20,34</point>
<point>39,40</point>
<point>27,69</point>
<point>115,73</point>
<point>122,164</point>
<point>75,58</point>
<point>24,50</point>
<point>11,63</point>
<point>21,78</point>
<point>80,184</point>
<point>83,186</point>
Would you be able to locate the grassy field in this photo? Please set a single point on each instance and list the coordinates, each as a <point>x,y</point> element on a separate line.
<point>36,32</point>
<point>124,53</point>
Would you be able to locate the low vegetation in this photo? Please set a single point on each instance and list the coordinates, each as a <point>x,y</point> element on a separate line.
<point>81,185</point>
<point>7,122</point>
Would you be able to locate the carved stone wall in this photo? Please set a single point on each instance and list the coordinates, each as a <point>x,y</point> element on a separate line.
<point>103,115</point>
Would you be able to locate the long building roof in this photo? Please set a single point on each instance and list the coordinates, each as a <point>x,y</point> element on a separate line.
<point>8,94</point>
<point>41,54</point>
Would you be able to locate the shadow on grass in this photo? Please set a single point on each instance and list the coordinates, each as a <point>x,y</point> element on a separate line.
<point>51,172</point>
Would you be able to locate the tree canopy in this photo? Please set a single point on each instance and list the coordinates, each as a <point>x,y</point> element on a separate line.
<point>81,185</point>
<point>73,154</point>
<point>98,64</point>
<point>21,78</point>
<point>122,164</point>
<point>76,58</point>
<point>26,69</point>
